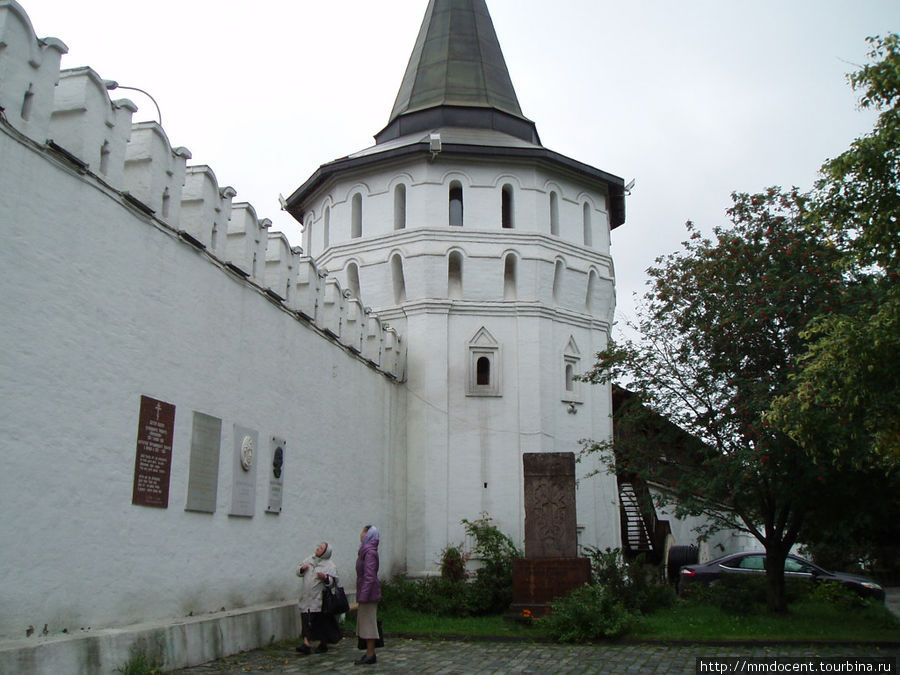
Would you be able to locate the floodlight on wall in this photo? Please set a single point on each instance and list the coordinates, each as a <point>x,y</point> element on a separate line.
<point>112,84</point>
<point>434,144</point>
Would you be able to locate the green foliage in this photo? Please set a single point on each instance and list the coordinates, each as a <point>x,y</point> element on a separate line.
<point>839,595</point>
<point>737,594</point>
<point>633,584</point>
<point>586,614</point>
<point>492,587</point>
<point>845,397</point>
<point>453,563</point>
<point>453,594</point>
<point>139,663</point>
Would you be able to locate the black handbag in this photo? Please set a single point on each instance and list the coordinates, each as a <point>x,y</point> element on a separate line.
<point>379,643</point>
<point>334,600</point>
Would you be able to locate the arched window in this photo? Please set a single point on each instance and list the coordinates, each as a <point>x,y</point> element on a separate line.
<point>558,281</point>
<point>554,214</point>
<point>483,371</point>
<point>326,227</point>
<point>588,230</point>
<point>356,217</point>
<point>456,204</point>
<point>506,207</point>
<point>510,283</point>
<point>570,377</point>
<point>454,276</point>
<point>166,197</point>
<point>400,207</point>
<point>399,282</point>
<point>353,279</point>
<point>591,289</point>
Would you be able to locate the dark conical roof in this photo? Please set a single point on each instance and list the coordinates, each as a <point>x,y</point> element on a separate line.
<point>457,65</point>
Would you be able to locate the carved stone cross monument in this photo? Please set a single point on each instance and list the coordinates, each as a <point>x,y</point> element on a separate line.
<point>550,568</point>
<point>550,524</point>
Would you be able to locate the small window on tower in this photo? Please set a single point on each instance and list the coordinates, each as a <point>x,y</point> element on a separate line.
<point>483,371</point>
<point>483,378</point>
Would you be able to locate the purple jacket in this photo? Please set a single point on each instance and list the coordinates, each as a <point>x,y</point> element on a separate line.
<point>368,588</point>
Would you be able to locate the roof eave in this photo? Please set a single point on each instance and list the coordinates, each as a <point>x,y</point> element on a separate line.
<point>615,184</point>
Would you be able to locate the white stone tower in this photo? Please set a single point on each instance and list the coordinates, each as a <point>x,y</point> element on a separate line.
<point>491,254</point>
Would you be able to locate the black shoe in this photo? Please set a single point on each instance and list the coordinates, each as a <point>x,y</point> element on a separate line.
<point>365,661</point>
<point>304,649</point>
<point>322,648</point>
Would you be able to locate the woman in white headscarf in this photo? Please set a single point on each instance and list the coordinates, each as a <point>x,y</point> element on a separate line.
<point>317,571</point>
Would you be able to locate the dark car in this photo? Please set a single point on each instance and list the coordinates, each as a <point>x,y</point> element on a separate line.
<point>794,568</point>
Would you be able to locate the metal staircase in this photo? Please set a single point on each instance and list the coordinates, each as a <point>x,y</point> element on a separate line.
<point>642,531</point>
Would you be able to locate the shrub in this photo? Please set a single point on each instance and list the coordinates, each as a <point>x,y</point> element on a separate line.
<point>838,595</point>
<point>588,613</point>
<point>631,583</point>
<point>491,591</point>
<point>140,663</point>
<point>453,563</point>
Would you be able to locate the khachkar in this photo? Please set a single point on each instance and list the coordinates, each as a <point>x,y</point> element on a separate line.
<point>551,567</point>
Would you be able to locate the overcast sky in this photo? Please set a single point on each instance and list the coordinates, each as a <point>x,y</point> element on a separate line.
<point>693,99</point>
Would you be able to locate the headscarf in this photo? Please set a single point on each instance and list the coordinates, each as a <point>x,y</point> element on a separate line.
<point>326,554</point>
<point>371,535</point>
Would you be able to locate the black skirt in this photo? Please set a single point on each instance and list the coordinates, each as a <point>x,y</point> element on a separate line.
<point>318,626</point>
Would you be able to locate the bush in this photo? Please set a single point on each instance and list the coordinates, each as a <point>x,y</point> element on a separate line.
<point>490,592</point>
<point>744,594</point>
<point>634,584</point>
<point>492,588</point>
<point>453,563</point>
<point>588,613</point>
<point>836,594</point>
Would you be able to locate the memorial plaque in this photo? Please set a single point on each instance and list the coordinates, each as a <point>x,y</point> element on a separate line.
<point>550,518</point>
<point>276,474</point>
<point>243,486</point>
<point>153,456</point>
<point>203,476</point>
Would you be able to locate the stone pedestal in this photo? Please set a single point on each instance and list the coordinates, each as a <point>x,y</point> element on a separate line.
<point>537,582</point>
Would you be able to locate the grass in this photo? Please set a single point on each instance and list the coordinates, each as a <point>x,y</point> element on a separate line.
<point>807,621</point>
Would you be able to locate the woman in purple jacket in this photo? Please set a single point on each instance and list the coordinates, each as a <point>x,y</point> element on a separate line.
<point>368,592</point>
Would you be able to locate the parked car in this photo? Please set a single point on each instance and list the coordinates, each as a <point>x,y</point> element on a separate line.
<point>795,567</point>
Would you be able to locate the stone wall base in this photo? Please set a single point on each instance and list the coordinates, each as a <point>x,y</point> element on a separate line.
<point>176,644</point>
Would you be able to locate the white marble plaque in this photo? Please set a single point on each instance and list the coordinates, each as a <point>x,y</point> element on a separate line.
<point>276,473</point>
<point>246,457</point>
<point>203,476</point>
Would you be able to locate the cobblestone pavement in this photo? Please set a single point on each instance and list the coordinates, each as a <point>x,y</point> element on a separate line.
<point>435,656</point>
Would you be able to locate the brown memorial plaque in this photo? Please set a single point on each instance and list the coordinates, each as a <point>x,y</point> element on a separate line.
<point>153,457</point>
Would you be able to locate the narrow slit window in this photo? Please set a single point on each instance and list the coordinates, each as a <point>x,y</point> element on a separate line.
<point>356,217</point>
<point>554,214</point>
<point>398,281</point>
<point>454,276</point>
<point>570,377</point>
<point>588,230</point>
<point>326,227</point>
<point>506,207</point>
<point>483,371</point>
<point>456,204</point>
<point>400,207</point>
<point>353,279</point>
<point>510,284</point>
<point>27,103</point>
<point>104,158</point>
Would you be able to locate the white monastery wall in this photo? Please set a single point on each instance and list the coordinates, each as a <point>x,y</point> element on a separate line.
<point>129,274</point>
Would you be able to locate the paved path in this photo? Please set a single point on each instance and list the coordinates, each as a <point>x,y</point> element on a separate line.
<point>432,656</point>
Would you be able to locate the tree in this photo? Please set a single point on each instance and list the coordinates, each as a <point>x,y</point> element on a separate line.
<point>845,401</point>
<point>720,331</point>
